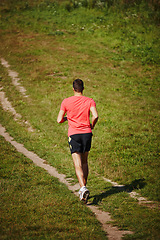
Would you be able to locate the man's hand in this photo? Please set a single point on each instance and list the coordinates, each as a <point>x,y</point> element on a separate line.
<point>91,126</point>
<point>64,119</point>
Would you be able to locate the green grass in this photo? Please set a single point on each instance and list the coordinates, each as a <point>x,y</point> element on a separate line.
<point>33,204</point>
<point>117,56</point>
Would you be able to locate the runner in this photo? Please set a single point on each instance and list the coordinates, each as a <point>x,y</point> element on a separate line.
<point>78,108</point>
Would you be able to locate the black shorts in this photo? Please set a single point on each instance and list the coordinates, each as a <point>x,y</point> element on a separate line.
<point>80,142</point>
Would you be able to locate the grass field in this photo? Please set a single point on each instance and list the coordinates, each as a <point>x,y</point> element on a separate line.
<point>116,52</point>
<point>33,204</point>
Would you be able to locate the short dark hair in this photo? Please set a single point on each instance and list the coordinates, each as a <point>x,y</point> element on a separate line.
<point>78,85</point>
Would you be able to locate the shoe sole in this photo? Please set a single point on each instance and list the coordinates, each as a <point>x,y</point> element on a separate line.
<point>85,197</point>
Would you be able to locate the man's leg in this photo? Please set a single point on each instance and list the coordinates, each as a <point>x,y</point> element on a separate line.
<point>84,160</point>
<point>79,168</point>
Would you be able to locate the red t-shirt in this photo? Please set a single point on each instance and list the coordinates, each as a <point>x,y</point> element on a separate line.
<point>78,112</point>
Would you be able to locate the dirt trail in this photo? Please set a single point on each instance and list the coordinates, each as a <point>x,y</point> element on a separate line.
<point>113,233</point>
<point>7,106</point>
<point>14,77</point>
<point>133,194</point>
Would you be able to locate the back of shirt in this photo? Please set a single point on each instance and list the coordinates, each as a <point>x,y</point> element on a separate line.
<point>78,112</point>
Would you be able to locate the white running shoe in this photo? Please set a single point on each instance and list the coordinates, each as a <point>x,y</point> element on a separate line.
<point>83,194</point>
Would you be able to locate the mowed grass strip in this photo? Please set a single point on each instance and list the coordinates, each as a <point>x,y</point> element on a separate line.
<point>35,205</point>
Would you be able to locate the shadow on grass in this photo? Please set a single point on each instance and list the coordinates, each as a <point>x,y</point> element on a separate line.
<point>136,184</point>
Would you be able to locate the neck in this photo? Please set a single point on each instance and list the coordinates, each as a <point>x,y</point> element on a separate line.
<point>78,94</point>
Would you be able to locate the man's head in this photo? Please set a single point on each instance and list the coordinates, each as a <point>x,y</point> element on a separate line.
<point>78,85</point>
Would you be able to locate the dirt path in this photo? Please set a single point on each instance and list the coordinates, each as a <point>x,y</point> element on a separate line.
<point>7,106</point>
<point>133,194</point>
<point>14,77</point>
<point>113,233</point>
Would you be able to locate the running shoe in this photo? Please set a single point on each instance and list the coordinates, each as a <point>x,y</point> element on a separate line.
<point>84,194</point>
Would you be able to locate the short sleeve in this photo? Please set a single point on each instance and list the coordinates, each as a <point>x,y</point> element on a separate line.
<point>92,104</point>
<point>63,106</point>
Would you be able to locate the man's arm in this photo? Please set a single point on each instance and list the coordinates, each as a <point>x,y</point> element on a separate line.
<point>61,118</point>
<point>94,116</point>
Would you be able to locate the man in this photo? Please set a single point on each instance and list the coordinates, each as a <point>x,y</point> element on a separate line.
<point>78,108</point>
